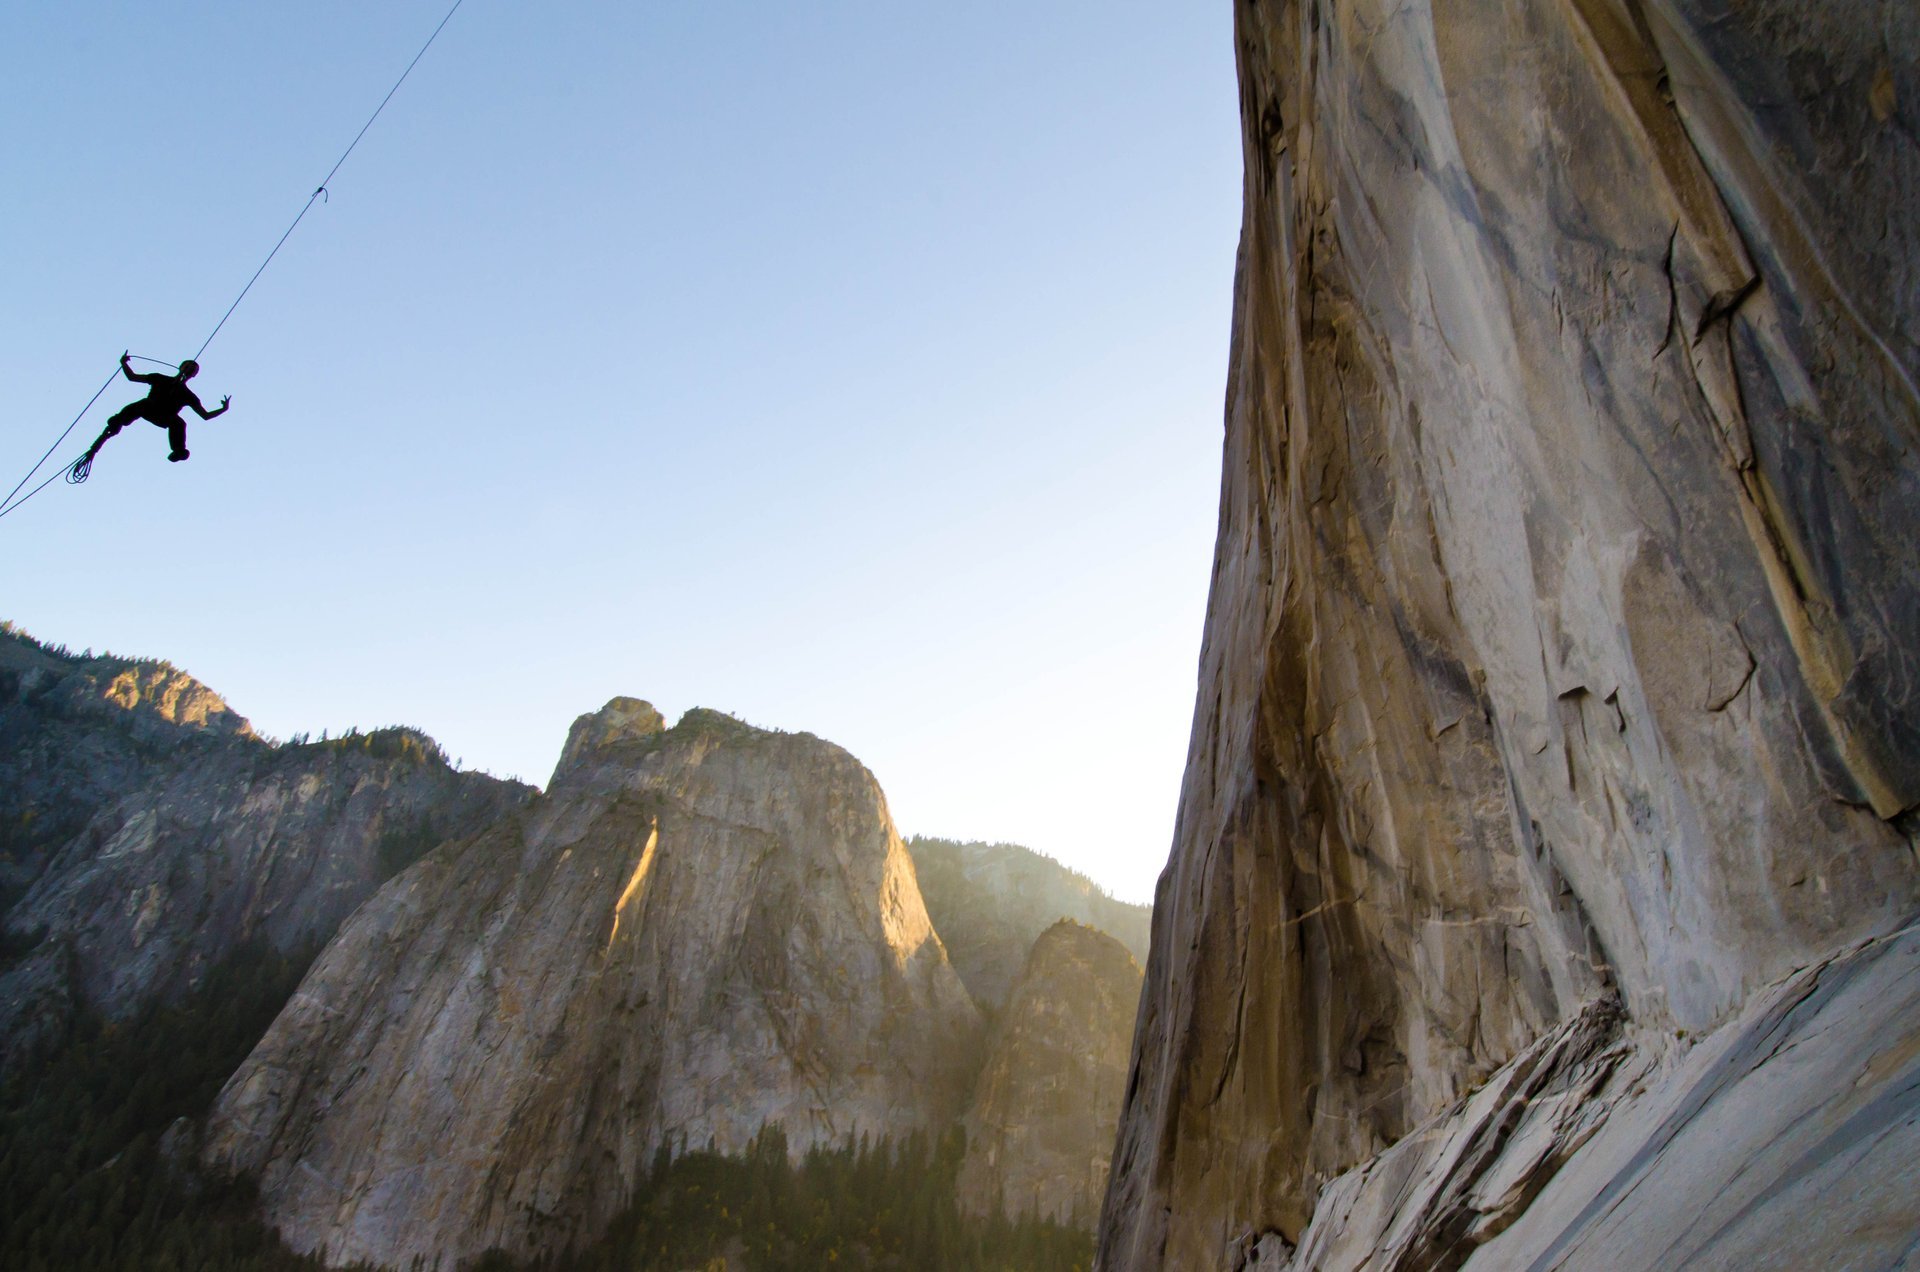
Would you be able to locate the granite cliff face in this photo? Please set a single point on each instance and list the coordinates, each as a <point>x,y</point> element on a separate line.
<point>991,902</point>
<point>75,731</point>
<point>1785,1140</point>
<point>696,931</point>
<point>153,834</point>
<point>1040,1130</point>
<point>1560,695</point>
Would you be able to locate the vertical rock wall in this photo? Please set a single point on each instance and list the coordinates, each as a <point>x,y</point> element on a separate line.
<point>1040,1130</point>
<point>150,834</point>
<point>991,902</point>
<point>695,933</point>
<point>1564,638</point>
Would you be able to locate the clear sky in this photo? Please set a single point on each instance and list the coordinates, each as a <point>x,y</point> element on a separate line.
<point>851,367</point>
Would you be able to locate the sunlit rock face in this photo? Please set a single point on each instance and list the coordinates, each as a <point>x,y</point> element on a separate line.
<point>621,720</point>
<point>697,932</point>
<point>76,731</point>
<point>1564,640</point>
<point>152,834</point>
<point>1040,1131</point>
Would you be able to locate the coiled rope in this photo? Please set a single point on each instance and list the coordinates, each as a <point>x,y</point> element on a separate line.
<point>78,471</point>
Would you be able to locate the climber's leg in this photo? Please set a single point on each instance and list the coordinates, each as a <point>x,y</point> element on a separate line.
<point>115,422</point>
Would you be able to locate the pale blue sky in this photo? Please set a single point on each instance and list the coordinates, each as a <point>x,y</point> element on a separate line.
<point>855,368</point>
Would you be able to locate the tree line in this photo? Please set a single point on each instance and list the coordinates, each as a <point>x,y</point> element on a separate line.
<point>882,1206</point>
<point>91,1178</point>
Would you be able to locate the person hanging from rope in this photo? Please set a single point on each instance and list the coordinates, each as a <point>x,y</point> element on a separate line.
<point>167,396</point>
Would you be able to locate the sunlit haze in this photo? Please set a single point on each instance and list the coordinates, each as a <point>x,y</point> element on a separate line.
<point>853,368</point>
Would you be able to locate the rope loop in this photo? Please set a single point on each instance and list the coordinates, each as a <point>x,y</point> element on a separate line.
<point>78,471</point>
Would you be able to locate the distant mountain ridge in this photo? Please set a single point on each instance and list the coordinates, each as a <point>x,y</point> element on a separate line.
<point>991,901</point>
<point>1040,1129</point>
<point>75,729</point>
<point>151,832</point>
<point>697,931</point>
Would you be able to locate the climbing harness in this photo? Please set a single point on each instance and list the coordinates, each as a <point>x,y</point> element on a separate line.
<point>78,471</point>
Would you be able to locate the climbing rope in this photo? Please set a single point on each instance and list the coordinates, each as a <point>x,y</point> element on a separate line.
<point>320,191</point>
<point>78,471</point>
<point>8,505</point>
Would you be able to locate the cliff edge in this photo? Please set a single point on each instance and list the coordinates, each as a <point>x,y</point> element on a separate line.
<point>1559,703</point>
<point>696,932</point>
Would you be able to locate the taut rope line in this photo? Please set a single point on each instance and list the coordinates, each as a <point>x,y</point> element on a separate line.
<point>76,472</point>
<point>319,191</point>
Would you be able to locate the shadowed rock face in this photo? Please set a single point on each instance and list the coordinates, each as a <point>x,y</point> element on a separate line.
<point>76,732</point>
<point>698,931</point>
<point>990,902</point>
<point>1787,1139</point>
<point>1040,1131</point>
<point>1564,640</point>
<point>159,833</point>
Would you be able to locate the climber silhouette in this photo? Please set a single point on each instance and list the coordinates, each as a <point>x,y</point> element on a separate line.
<point>167,396</point>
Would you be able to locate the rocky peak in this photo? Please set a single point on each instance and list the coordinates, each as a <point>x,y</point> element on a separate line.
<point>140,693</point>
<point>202,853</point>
<point>165,692</point>
<point>621,720</point>
<point>1083,948</point>
<point>681,943</point>
<point>990,903</point>
<point>1041,1128</point>
<point>146,833</point>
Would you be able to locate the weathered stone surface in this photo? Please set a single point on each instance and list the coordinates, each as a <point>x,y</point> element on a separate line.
<point>1788,1139</point>
<point>76,731</point>
<point>36,1002</point>
<point>1456,1182</point>
<point>990,902</point>
<point>621,720</point>
<point>168,835</point>
<point>140,695</point>
<point>1040,1131</point>
<point>766,959</point>
<point>694,933</point>
<point>1564,639</point>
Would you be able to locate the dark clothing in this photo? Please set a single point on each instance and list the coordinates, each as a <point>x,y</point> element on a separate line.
<point>146,410</point>
<point>167,396</point>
